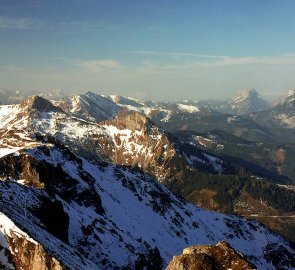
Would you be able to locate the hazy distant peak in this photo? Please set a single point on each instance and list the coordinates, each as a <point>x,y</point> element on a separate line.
<point>246,94</point>
<point>244,102</point>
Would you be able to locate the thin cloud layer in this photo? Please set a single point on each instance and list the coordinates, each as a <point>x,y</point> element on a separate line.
<point>210,61</point>
<point>73,26</point>
<point>9,23</point>
<point>97,66</point>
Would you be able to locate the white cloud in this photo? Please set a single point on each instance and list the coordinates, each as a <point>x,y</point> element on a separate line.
<point>177,54</point>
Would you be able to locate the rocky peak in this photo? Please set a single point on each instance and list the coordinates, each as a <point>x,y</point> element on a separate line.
<point>40,104</point>
<point>247,101</point>
<point>221,256</point>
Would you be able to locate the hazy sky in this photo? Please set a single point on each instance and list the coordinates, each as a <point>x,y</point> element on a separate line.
<point>162,49</point>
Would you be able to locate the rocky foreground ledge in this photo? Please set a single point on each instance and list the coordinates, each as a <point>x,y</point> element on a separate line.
<point>221,256</point>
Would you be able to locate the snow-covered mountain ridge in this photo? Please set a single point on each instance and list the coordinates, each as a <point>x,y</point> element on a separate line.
<point>40,173</point>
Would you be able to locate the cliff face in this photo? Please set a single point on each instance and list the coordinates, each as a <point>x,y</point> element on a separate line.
<point>221,256</point>
<point>134,140</point>
<point>28,255</point>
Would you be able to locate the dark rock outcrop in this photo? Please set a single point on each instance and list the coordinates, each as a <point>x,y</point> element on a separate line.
<point>40,104</point>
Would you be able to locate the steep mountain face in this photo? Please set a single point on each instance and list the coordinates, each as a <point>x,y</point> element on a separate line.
<point>104,216</point>
<point>89,106</point>
<point>281,115</point>
<point>221,256</point>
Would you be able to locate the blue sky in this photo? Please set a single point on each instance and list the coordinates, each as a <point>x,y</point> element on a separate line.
<point>167,50</point>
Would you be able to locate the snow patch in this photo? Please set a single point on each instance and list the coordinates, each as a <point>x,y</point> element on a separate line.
<point>188,108</point>
<point>8,151</point>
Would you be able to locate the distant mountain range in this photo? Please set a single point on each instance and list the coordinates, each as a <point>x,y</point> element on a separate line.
<point>83,181</point>
<point>244,102</point>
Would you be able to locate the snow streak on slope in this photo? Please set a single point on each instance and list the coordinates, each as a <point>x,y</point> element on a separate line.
<point>7,227</point>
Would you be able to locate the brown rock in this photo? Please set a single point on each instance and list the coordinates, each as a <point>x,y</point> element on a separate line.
<point>27,255</point>
<point>221,256</point>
